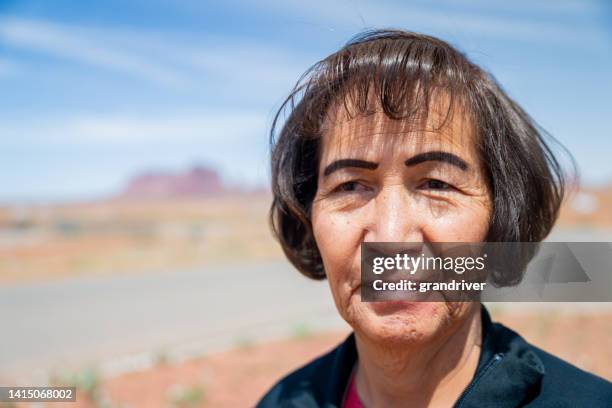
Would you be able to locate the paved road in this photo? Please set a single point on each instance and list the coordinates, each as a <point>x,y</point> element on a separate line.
<point>124,321</point>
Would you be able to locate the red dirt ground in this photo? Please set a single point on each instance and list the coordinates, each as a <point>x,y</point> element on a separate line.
<point>237,378</point>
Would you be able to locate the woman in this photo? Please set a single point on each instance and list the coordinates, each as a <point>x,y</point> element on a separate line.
<point>398,137</point>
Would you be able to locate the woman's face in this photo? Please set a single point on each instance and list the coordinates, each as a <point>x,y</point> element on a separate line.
<point>381,180</point>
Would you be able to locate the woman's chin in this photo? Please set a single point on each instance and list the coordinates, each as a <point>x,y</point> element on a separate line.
<point>400,321</point>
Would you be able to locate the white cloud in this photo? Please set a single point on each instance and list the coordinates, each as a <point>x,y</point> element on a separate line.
<point>360,15</point>
<point>163,59</point>
<point>78,44</point>
<point>550,8</point>
<point>249,62</point>
<point>212,128</point>
<point>207,127</point>
<point>7,67</point>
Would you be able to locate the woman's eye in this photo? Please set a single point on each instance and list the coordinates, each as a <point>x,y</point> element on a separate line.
<point>434,184</point>
<point>350,186</point>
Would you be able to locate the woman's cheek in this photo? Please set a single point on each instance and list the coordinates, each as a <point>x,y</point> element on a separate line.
<point>338,238</point>
<point>467,223</point>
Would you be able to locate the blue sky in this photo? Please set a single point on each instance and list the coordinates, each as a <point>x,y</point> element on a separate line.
<point>94,92</point>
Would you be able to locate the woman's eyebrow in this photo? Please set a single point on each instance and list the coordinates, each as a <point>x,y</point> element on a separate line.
<point>437,156</point>
<point>338,164</point>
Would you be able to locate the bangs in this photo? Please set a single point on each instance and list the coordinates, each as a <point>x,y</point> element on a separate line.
<point>406,80</point>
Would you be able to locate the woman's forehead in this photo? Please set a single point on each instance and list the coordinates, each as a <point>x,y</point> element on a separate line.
<point>374,134</point>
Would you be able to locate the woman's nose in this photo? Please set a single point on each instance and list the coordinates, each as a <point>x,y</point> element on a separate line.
<point>394,217</point>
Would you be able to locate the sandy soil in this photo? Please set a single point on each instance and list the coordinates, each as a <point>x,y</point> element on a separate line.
<point>114,238</point>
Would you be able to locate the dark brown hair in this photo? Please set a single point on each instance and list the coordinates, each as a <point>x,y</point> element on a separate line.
<point>401,70</point>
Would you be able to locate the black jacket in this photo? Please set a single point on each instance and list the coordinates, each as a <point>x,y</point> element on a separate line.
<point>510,373</point>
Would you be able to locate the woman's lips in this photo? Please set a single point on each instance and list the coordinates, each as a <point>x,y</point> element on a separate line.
<point>388,307</point>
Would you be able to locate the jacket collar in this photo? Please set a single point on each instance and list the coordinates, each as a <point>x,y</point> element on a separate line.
<point>509,373</point>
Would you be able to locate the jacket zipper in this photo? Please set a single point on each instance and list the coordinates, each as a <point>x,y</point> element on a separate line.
<point>493,362</point>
